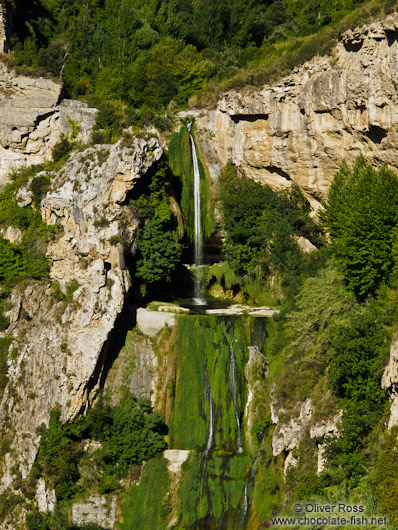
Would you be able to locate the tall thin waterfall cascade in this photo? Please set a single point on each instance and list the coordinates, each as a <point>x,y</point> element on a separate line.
<point>198,236</point>
<point>233,390</point>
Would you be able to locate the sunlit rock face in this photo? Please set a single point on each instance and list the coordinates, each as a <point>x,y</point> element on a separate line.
<point>32,119</point>
<point>300,129</point>
<point>59,346</point>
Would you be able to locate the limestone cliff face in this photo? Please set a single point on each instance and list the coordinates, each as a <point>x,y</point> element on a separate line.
<point>58,346</point>
<point>301,128</point>
<point>32,118</point>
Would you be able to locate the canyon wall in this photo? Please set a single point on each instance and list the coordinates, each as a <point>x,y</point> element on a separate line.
<point>33,116</point>
<point>300,129</point>
<point>59,345</point>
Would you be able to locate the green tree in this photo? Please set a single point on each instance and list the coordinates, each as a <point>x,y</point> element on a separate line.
<point>158,253</point>
<point>261,225</point>
<point>360,215</point>
<point>134,433</point>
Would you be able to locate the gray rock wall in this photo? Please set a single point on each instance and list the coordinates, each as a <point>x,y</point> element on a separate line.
<point>301,128</point>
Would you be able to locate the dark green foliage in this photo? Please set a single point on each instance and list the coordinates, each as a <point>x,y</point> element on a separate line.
<point>26,258</point>
<point>159,253</point>
<point>331,339</point>
<point>11,260</point>
<point>132,55</point>
<point>8,501</point>
<point>361,214</point>
<point>158,250</point>
<point>261,225</point>
<point>39,187</point>
<point>59,455</point>
<point>129,433</point>
<point>100,223</point>
<point>62,149</point>
<point>356,356</point>
<point>4,321</point>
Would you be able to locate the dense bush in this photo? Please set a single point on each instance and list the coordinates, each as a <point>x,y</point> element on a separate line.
<point>158,249</point>
<point>356,354</point>
<point>129,433</point>
<point>59,454</point>
<point>26,258</point>
<point>4,347</point>
<point>261,225</point>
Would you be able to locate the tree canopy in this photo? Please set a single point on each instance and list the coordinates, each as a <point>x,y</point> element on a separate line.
<point>361,215</point>
<point>148,55</point>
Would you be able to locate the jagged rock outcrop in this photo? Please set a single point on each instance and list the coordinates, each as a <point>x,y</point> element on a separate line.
<point>59,345</point>
<point>96,509</point>
<point>288,434</point>
<point>33,117</point>
<point>135,370</point>
<point>301,128</point>
<point>328,427</point>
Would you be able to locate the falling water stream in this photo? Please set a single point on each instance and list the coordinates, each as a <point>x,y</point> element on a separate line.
<point>209,397</point>
<point>233,389</point>
<point>245,505</point>
<point>198,237</point>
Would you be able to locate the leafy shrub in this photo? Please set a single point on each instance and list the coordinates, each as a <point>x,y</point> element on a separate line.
<point>71,287</point>
<point>130,433</point>
<point>62,148</point>
<point>4,321</point>
<point>4,347</point>
<point>158,253</point>
<point>101,223</point>
<point>39,187</point>
<point>158,249</point>
<point>59,454</point>
<point>26,258</point>
<point>356,353</point>
<point>260,225</point>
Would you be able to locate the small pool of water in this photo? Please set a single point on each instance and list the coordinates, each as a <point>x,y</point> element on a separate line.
<point>199,306</point>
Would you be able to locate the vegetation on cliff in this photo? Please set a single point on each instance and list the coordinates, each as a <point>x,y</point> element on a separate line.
<point>262,228</point>
<point>135,58</point>
<point>159,247</point>
<point>128,434</point>
<point>25,258</point>
<point>332,344</point>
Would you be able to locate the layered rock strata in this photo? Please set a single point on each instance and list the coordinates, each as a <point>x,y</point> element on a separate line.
<point>300,129</point>
<point>59,345</point>
<point>33,117</point>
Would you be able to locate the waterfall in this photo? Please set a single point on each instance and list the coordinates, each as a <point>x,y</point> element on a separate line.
<point>209,396</point>
<point>233,389</point>
<point>253,471</point>
<point>245,508</point>
<point>198,243</point>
